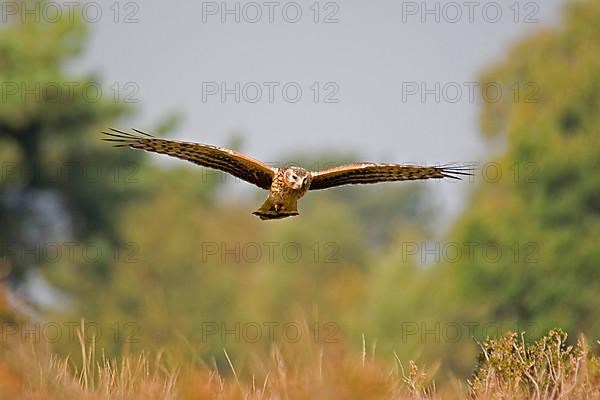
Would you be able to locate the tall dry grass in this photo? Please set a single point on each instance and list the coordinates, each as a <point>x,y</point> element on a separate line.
<point>508,369</point>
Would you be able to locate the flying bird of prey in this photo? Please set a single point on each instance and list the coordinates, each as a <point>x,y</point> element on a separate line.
<point>285,185</point>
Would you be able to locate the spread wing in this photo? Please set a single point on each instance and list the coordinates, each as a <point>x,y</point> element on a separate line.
<point>232,162</point>
<point>362,173</point>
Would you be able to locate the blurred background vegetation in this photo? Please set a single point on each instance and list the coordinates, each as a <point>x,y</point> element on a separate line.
<point>155,223</point>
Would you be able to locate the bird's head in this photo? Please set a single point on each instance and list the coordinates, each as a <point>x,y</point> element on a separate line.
<point>296,178</point>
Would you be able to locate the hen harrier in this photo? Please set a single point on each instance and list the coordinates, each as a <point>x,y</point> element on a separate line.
<point>285,185</point>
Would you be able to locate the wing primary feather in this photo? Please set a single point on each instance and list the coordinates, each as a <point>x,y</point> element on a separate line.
<point>123,133</point>
<point>229,161</point>
<point>457,172</point>
<point>451,176</point>
<point>117,136</point>
<point>143,133</point>
<point>456,165</point>
<point>114,140</point>
<point>365,173</point>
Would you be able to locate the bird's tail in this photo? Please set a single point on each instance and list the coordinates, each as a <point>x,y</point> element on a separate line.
<point>273,210</point>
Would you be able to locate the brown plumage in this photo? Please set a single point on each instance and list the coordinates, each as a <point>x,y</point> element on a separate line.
<point>285,185</point>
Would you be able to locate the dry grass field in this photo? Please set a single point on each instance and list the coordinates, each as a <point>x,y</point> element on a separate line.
<point>508,368</point>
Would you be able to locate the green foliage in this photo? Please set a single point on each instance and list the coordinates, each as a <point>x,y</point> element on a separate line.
<point>547,199</point>
<point>542,212</point>
<point>46,120</point>
<point>59,184</point>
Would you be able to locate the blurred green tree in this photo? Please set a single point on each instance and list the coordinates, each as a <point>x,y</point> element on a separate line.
<point>58,183</point>
<point>538,202</point>
<point>544,211</point>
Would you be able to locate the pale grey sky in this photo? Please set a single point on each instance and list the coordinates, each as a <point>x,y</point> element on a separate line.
<point>373,50</point>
